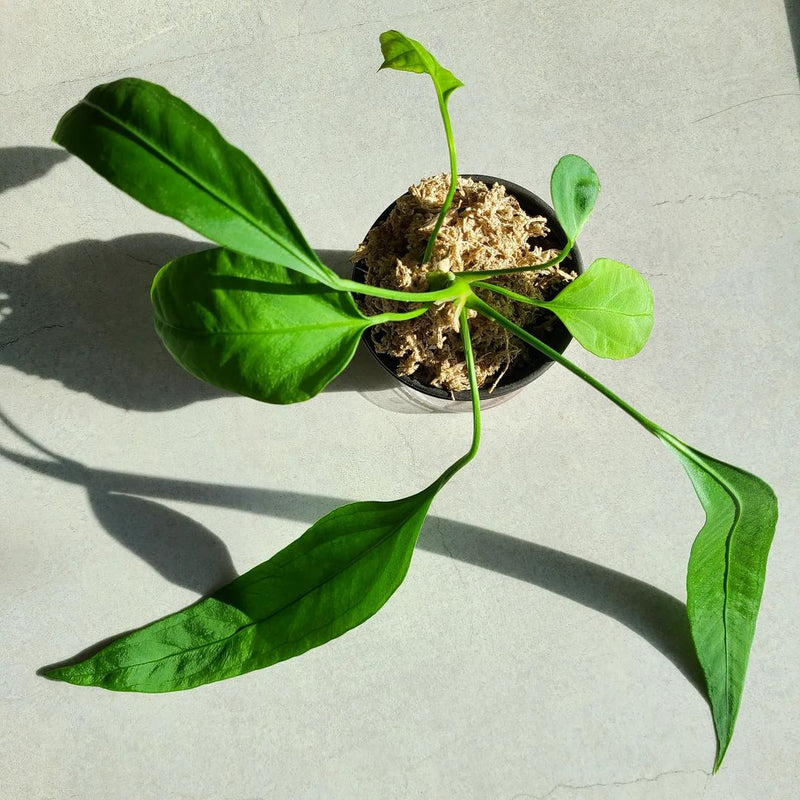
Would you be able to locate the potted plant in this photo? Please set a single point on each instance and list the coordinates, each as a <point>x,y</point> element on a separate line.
<point>492,222</point>
<point>262,316</point>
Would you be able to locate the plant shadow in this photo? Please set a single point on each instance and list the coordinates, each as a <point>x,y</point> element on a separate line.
<point>21,165</point>
<point>189,555</point>
<point>80,314</point>
<point>793,21</point>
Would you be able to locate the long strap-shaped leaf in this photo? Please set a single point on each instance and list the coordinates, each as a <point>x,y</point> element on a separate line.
<point>728,560</point>
<point>726,574</point>
<point>334,577</point>
<point>160,151</point>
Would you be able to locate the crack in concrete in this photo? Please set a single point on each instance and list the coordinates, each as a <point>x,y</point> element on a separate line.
<point>258,42</point>
<point>746,102</point>
<point>581,786</point>
<point>9,342</point>
<point>742,192</point>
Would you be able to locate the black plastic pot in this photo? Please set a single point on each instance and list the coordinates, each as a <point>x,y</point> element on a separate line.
<point>558,338</point>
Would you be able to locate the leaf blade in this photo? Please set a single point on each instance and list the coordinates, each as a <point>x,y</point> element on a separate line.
<point>725,576</point>
<point>403,53</point>
<point>574,187</point>
<point>160,151</point>
<point>331,579</point>
<point>608,309</point>
<point>252,327</point>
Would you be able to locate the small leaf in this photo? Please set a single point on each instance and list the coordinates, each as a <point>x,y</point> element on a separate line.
<point>164,154</point>
<point>725,580</point>
<point>252,327</point>
<point>331,579</point>
<point>408,55</point>
<point>608,309</point>
<point>574,187</point>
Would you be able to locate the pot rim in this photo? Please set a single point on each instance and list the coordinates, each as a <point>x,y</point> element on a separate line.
<point>559,338</point>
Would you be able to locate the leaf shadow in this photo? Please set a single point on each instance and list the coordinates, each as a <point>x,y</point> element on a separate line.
<point>21,165</point>
<point>793,21</point>
<point>80,314</point>
<point>654,615</point>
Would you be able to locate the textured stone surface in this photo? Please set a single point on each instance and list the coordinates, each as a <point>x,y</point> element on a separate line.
<point>531,652</point>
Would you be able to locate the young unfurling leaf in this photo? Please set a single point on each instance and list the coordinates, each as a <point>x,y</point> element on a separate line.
<point>401,52</point>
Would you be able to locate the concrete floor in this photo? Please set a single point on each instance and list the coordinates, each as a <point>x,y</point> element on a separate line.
<point>535,649</point>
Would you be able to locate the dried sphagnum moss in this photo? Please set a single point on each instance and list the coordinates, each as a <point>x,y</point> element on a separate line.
<point>485,228</point>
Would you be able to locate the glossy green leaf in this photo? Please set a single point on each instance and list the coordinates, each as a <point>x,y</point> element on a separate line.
<point>163,153</point>
<point>574,187</point>
<point>254,328</point>
<point>331,579</point>
<point>402,53</point>
<point>727,565</point>
<point>725,580</point>
<point>608,309</point>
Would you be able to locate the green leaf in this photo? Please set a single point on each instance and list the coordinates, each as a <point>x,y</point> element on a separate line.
<point>252,327</point>
<point>402,53</point>
<point>727,568</point>
<point>574,187</point>
<point>163,153</point>
<point>331,579</point>
<point>608,309</point>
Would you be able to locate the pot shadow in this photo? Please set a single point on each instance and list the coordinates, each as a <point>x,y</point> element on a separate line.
<point>80,314</point>
<point>190,555</point>
<point>21,165</point>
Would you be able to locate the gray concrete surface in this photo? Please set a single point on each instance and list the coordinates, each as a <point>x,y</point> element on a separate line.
<point>534,650</point>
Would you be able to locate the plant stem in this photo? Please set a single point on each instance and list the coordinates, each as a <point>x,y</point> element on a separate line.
<point>451,149</point>
<point>398,316</point>
<point>476,404</point>
<point>493,273</point>
<point>520,298</point>
<point>345,285</point>
<point>488,311</point>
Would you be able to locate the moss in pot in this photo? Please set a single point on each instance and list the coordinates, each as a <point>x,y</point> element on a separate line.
<point>492,222</point>
<point>262,316</point>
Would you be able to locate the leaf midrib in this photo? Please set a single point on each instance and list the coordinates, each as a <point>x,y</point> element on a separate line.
<point>569,307</point>
<point>181,169</point>
<point>276,331</point>
<point>737,513</point>
<point>280,610</point>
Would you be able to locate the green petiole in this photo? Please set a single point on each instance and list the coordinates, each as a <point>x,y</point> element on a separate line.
<point>451,149</point>
<point>520,298</point>
<point>452,292</point>
<point>485,309</point>
<point>474,398</point>
<point>494,273</point>
<point>398,316</point>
